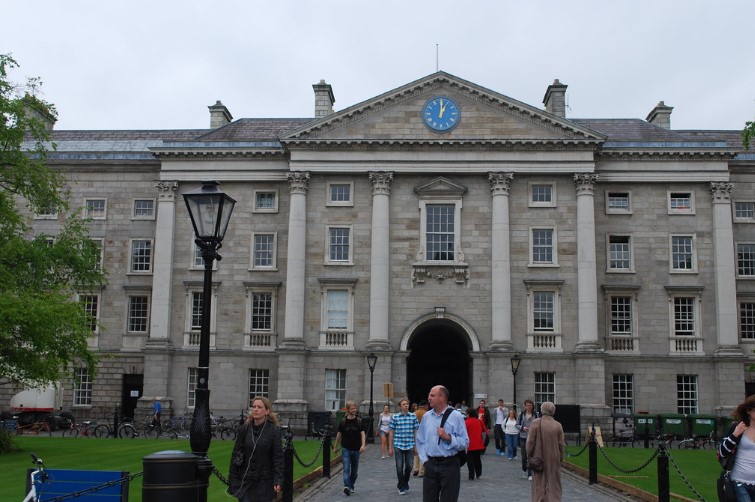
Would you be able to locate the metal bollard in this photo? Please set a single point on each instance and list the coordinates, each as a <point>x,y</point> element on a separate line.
<point>647,434</point>
<point>593,460</point>
<point>664,492</point>
<point>326,453</point>
<point>288,467</point>
<point>115,421</point>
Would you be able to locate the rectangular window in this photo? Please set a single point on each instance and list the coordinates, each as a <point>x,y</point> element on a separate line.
<point>681,203</point>
<point>339,194</point>
<point>259,384</point>
<point>262,311</point>
<point>682,252</point>
<point>621,315</point>
<point>746,260</point>
<point>141,255</point>
<point>545,388</point>
<point>338,309</point>
<point>82,388</point>
<point>339,248</point>
<point>747,320</point>
<point>541,195</point>
<point>49,212</point>
<point>684,316</point>
<point>191,387</point>
<point>264,251</point>
<point>99,243</point>
<point>619,252</point>
<point>196,310</point>
<point>618,202</point>
<point>144,209</point>
<point>138,314</point>
<point>542,246</point>
<point>744,211</point>
<point>91,304</point>
<point>335,389</point>
<point>686,394</point>
<point>95,209</point>
<point>623,394</point>
<point>543,308</point>
<point>265,201</point>
<point>440,227</point>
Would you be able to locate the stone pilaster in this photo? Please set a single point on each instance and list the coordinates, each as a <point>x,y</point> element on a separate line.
<point>293,335</point>
<point>500,273</point>
<point>163,261</point>
<point>380,261</point>
<point>587,278</point>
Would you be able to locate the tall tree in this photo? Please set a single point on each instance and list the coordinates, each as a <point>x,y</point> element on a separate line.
<point>43,326</point>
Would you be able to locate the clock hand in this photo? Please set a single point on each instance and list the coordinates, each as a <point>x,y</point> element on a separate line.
<point>442,109</point>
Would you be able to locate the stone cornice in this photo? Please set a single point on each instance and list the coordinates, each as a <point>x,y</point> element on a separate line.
<point>666,154</point>
<point>215,153</point>
<point>419,144</point>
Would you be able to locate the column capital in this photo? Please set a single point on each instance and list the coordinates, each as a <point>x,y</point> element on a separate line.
<point>298,181</point>
<point>500,183</point>
<point>720,192</point>
<point>381,182</point>
<point>167,189</point>
<point>585,183</point>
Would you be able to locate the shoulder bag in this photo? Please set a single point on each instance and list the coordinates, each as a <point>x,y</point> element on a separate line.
<point>536,463</point>
<point>461,455</point>
<point>724,484</point>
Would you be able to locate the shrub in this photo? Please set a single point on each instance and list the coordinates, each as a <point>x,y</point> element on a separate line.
<point>7,442</point>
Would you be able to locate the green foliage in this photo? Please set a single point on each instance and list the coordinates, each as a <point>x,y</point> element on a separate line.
<point>748,133</point>
<point>7,444</point>
<point>43,327</point>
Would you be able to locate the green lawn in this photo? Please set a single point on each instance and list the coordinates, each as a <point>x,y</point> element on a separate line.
<point>119,455</point>
<point>700,467</point>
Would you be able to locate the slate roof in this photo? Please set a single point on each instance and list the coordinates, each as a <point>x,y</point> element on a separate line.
<point>635,130</point>
<point>254,130</point>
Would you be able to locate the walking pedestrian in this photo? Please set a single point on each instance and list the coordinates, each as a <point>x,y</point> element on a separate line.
<point>501,412</point>
<point>546,441</point>
<point>353,443</point>
<point>385,420</point>
<point>419,469</point>
<point>526,417</point>
<point>511,431</point>
<point>476,443</point>
<point>402,443</point>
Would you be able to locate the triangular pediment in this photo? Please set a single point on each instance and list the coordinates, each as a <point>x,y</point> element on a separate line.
<point>396,117</point>
<point>440,187</point>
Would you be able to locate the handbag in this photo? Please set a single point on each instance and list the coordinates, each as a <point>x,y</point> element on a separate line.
<point>461,455</point>
<point>725,487</point>
<point>534,463</point>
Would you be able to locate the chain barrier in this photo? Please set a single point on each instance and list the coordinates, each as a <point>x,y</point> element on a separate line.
<point>572,455</point>
<point>217,474</point>
<point>686,481</point>
<point>629,471</point>
<point>97,488</point>
<point>317,455</point>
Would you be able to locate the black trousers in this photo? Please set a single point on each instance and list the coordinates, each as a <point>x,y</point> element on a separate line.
<point>500,442</point>
<point>442,480</point>
<point>474,463</point>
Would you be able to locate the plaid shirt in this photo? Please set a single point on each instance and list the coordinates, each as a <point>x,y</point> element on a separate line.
<point>403,427</point>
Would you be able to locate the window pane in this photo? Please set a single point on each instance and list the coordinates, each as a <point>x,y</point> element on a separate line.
<point>621,315</point>
<point>747,320</point>
<point>684,316</point>
<point>264,247</point>
<point>543,307</point>
<point>618,201</point>
<point>262,311</point>
<point>686,394</point>
<point>340,193</point>
<point>338,310</point>
<point>91,307</point>
<point>335,389</point>
<point>744,210</point>
<point>545,388</point>
<point>339,244</point>
<point>619,252</point>
<point>746,259</point>
<point>265,200</point>
<point>259,384</point>
<point>681,201</point>
<point>95,208</point>
<point>191,387</point>
<point>542,245</point>
<point>440,232</point>
<point>681,250</point>
<point>196,310</point>
<point>144,208</point>
<point>542,193</point>
<point>623,394</point>
<point>141,256</point>
<point>138,308</point>
<point>82,388</point>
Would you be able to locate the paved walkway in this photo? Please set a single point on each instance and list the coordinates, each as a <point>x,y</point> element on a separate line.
<point>377,482</point>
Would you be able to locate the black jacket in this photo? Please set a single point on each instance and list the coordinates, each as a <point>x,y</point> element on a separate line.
<point>257,473</point>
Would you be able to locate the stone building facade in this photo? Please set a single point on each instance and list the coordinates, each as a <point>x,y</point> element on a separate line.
<point>615,257</point>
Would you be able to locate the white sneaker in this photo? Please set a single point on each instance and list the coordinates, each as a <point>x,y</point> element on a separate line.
<point>529,477</point>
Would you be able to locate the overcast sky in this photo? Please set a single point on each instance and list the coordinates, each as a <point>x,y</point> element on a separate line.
<point>158,64</point>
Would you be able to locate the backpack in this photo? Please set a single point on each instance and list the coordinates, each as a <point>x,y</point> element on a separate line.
<point>461,455</point>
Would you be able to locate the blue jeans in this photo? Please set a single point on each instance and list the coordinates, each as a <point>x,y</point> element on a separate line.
<point>745,493</point>
<point>350,461</point>
<point>511,442</point>
<point>404,463</point>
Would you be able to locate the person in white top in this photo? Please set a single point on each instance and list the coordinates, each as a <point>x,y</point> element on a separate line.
<point>500,415</point>
<point>511,430</point>
<point>385,421</point>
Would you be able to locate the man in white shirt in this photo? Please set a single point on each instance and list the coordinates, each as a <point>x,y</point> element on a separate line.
<point>500,416</point>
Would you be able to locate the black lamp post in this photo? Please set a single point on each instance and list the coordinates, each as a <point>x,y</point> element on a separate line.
<point>371,361</point>
<point>515,362</point>
<point>210,210</point>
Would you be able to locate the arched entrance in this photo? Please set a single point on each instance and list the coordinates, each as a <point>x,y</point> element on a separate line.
<point>439,355</point>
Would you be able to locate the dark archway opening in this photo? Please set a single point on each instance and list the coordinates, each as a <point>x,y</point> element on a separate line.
<point>439,355</point>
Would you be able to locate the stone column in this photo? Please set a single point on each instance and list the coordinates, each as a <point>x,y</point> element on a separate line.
<point>162,276</point>
<point>293,335</point>
<point>587,278</point>
<point>500,273</point>
<point>724,269</point>
<point>380,261</point>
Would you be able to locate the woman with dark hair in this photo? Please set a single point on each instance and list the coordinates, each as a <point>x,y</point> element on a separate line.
<point>475,431</point>
<point>257,458</point>
<point>740,442</point>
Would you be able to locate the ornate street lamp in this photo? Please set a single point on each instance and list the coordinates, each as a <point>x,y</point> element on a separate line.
<point>371,361</point>
<point>515,362</point>
<point>210,210</point>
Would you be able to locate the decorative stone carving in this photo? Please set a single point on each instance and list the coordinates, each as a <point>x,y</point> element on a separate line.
<point>381,182</point>
<point>500,183</point>
<point>721,192</point>
<point>166,189</point>
<point>298,182</point>
<point>585,183</point>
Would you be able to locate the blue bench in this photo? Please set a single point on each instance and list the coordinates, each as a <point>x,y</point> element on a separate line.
<point>65,481</point>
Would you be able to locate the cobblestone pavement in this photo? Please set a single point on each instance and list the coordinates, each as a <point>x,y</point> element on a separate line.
<point>377,482</point>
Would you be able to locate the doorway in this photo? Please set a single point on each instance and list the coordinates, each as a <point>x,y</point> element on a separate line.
<point>439,355</point>
<point>131,391</point>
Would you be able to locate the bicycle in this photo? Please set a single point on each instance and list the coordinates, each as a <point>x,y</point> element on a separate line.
<point>34,427</point>
<point>37,474</point>
<point>698,443</point>
<point>90,429</point>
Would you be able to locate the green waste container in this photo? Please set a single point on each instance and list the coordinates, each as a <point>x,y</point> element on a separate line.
<point>673,424</point>
<point>702,425</point>
<point>644,425</point>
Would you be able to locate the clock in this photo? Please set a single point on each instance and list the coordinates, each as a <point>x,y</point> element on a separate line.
<point>440,114</point>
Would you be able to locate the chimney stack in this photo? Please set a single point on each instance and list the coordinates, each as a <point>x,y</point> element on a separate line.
<point>219,115</point>
<point>324,99</point>
<point>660,115</point>
<point>555,99</point>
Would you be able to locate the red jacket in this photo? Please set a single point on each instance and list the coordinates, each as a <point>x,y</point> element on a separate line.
<point>475,428</point>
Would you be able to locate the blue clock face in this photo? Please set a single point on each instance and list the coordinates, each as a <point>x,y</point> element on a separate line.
<point>441,114</point>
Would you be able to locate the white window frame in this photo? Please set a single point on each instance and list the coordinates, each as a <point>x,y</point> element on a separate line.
<point>259,383</point>
<point>674,270</point>
<point>544,388</point>
<point>138,294</point>
<point>82,388</point>
<point>335,389</point>
<point>260,339</point>
<point>192,378</point>
<point>274,263</point>
<point>615,210</point>
<point>544,340</point>
<point>132,243</point>
<point>743,219</point>
<point>750,302</point>
<point>617,341</point>
<point>94,312</point>
<point>531,194</point>
<point>752,260</point>
<point>628,270</point>
<point>336,338</point>
<point>150,216</point>
<point>192,333</point>
<point>456,203</point>
<point>257,209</point>
<point>622,387</point>
<point>328,245</point>
<point>687,394</point>
<point>339,203</point>
<point>554,247</point>
<point>677,210</point>
<point>51,214</point>
<point>100,243</point>
<point>88,212</point>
